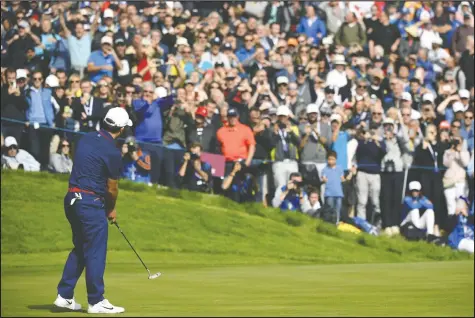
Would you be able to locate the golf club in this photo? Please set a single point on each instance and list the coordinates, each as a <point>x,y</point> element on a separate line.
<point>150,276</point>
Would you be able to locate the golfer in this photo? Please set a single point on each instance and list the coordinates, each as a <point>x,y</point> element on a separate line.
<point>91,198</point>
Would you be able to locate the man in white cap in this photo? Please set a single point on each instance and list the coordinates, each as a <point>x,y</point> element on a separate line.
<point>282,89</point>
<point>286,151</point>
<point>18,159</point>
<point>90,201</point>
<point>79,44</point>
<point>103,62</point>
<point>316,138</point>
<point>418,210</point>
<point>337,77</point>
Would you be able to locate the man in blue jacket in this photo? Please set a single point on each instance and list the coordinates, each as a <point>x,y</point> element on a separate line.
<point>39,116</point>
<point>418,209</point>
<point>461,236</point>
<point>149,111</point>
<point>292,196</point>
<point>312,26</point>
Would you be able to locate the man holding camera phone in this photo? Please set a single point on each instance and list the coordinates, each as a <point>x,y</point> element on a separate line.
<point>136,162</point>
<point>102,62</point>
<point>195,174</point>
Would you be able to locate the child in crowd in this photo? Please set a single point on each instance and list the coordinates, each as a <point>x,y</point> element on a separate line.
<point>333,176</point>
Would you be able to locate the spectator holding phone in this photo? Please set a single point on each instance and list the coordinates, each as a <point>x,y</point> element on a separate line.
<point>136,163</point>
<point>292,196</point>
<point>103,62</point>
<point>195,174</point>
<point>456,160</point>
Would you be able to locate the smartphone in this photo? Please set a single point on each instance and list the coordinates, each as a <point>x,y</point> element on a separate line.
<point>13,84</point>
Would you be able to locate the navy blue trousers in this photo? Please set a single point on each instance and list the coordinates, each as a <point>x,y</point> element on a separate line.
<point>89,226</point>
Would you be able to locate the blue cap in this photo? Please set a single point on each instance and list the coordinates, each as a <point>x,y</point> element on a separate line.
<point>232,112</point>
<point>405,10</point>
<point>451,9</point>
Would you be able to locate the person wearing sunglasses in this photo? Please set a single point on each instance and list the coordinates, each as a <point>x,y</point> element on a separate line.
<point>17,159</point>
<point>40,117</point>
<point>60,161</point>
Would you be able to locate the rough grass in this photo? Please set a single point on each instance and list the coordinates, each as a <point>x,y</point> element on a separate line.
<point>170,221</point>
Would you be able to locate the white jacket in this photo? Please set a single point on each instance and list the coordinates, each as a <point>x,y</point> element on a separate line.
<point>22,158</point>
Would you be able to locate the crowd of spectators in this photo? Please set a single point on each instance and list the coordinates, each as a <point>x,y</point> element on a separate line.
<point>362,108</point>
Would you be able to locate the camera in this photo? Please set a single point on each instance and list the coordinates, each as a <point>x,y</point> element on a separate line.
<point>194,156</point>
<point>455,142</point>
<point>131,147</point>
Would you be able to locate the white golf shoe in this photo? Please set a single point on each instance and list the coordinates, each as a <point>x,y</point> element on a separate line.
<point>66,303</point>
<point>104,307</point>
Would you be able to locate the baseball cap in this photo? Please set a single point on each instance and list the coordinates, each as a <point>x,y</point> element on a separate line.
<point>108,13</point>
<point>10,141</point>
<point>406,96</point>
<point>325,110</point>
<point>177,5</point>
<point>161,92</point>
<point>428,97</point>
<point>119,41</point>
<point>329,89</point>
<point>23,24</point>
<point>283,111</point>
<point>21,73</point>
<point>227,46</point>
<point>463,93</point>
<point>265,106</point>
<point>405,10</point>
<point>444,125</point>
<point>52,81</point>
<point>106,40</point>
<point>117,117</point>
<point>415,186</point>
<point>388,121</point>
<point>282,80</point>
<point>451,9</point>
<point>292,41</point>
<point>189,81</point>
<point>195,13</point>
<point>300,69</point>
<point>339,60</point>
<point>335,117</point>
<point>458,107</point>
<point>312,108</point>
<point>201,111</point>
<point>216,41</point>
<point>181,41</point>
<point>232,112</point>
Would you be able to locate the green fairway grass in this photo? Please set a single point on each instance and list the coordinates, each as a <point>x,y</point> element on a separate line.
<point>189,289</point>
<point>219,258</point>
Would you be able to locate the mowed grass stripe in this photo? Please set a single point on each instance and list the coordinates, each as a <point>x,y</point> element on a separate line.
<point>420,289</point>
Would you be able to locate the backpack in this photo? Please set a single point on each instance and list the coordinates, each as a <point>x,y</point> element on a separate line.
<point>412,233</point>
<point>327,214</point>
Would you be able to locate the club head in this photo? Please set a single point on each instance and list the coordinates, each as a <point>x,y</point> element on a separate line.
<point>154,276</point>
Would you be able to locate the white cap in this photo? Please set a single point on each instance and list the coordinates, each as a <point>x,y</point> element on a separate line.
<point>177,5</point>
<point>161,92</point>
<point>181,41</point>
<point>52,81</point>
<point>388,121</point>
<point>458,107</point>
<point>106,40</point>
<point>265,105</point>
<point>406,96</point>
<point>428,97</point>
<point>283,111</point>
<point>336,117</point>
<point>9,141</point>
<point>282,80</point>
<point>339,60</point>
<point>415,185</point>
<point>425,16</point>
<point>463,93</point>
<point>312,108</point>
<point>117,117</point>
<point>21,73</point>
<point>415,114</point>
<point>108,13</point>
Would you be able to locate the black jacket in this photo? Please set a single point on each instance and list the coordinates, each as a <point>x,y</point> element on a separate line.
<point>205,136</point>
<point>424,157</point>
<point>13,107</point>
<point>89,124</point>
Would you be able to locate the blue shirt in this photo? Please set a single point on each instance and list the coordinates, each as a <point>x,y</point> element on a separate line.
<point>97,159</point>
<point>333,187</point>
<point>242,54</point>
<point>149,118</point>
<point>98,59</point>
<point>467,135</point>
<point>40,109</point>
<point>133,171</point>
<point>341,149</point>
<point>79,49</point>
<point>411,203</point>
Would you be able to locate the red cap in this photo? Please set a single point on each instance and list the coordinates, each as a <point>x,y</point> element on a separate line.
<point>201,111</point>
<point>444,125</point>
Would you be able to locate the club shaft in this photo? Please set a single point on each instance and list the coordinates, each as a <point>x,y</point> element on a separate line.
<point>133,249</point>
